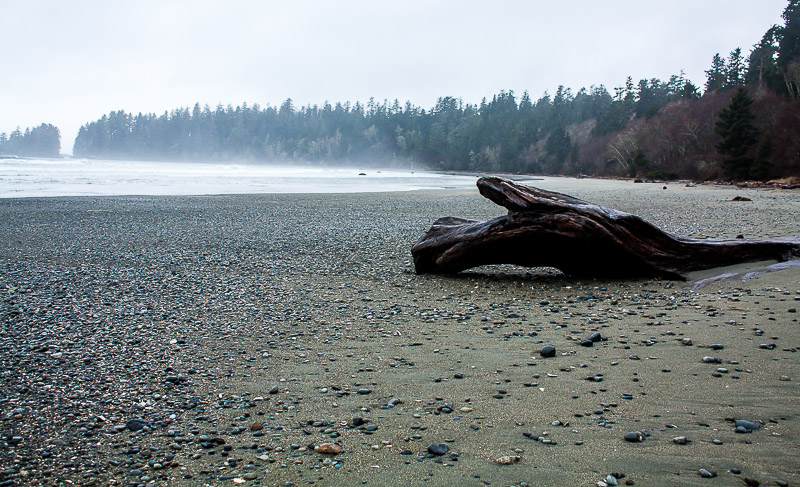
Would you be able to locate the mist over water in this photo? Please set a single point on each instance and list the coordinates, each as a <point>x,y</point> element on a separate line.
<point>81,177</point>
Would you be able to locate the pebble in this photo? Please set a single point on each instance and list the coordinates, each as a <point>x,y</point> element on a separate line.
<point>745,426</point>
<point>507,459</point>
<point>548,351</point>
<point>135,424</point>
<point>707,473</point>
<point>438,449</point>
<point>329,448</point>
<point>634,436</point>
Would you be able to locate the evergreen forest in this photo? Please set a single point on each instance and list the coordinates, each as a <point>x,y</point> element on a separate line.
<point>41,141</point>
<point>742,124</point>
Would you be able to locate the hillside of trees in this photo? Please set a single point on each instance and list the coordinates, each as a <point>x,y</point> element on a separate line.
<point>743,124</point>
<point>41,141</point>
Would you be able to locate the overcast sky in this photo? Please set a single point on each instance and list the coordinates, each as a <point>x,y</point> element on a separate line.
<point>69,62</point>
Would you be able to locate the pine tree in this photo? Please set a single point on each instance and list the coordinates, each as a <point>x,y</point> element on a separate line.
<point>558,145</point>
<point>717,76</point>
<point>789,41</point>
<point>739,136</point>
<point>761,164</point>
<point>735,68</point>
<point>762,69</point>
<point>789,48</point>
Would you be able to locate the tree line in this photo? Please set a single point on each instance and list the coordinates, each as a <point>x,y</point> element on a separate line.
<point>743,123</point>
<point>497,134</point>
<point>41,141</point>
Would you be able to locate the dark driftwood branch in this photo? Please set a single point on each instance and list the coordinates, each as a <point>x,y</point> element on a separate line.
<point>547,229</point>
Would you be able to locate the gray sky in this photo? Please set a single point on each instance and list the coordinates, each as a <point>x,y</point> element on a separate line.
<point>69,62</point>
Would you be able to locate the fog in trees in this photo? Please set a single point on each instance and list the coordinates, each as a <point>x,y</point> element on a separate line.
<point>650,127</point>
<point>41,141</point>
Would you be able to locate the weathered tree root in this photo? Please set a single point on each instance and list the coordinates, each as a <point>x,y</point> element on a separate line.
<point>548,229</point>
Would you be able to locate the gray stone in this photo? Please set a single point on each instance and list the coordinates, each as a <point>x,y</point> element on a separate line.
<point>548,351</point>
<point>437,449</point>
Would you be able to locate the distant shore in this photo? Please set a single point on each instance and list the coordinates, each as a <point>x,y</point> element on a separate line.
<point>220,340</point>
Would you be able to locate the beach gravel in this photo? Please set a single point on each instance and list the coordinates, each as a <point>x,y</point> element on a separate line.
<point>285,340</point>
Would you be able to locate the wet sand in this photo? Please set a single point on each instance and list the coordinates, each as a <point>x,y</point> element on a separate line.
<point>235,334</point>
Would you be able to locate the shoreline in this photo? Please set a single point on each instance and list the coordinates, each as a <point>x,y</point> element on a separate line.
<point>563,183</point>
<point>89,178</point>
<point>241,331</point>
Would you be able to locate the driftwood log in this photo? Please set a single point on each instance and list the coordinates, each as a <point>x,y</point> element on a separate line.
<point>548,229</point>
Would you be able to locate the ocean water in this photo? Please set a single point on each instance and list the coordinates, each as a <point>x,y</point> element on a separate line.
<point>20,178</point>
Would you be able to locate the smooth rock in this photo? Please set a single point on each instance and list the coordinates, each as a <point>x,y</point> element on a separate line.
<point>135,424</point>
<point>706,473</point>
<point>548,351</point>
<point>634,436</point>
<point>329,448</point>
<point>747,426</point>
<point>437,449</point>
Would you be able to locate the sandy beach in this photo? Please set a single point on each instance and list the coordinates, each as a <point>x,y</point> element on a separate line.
<point>225,340</point>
